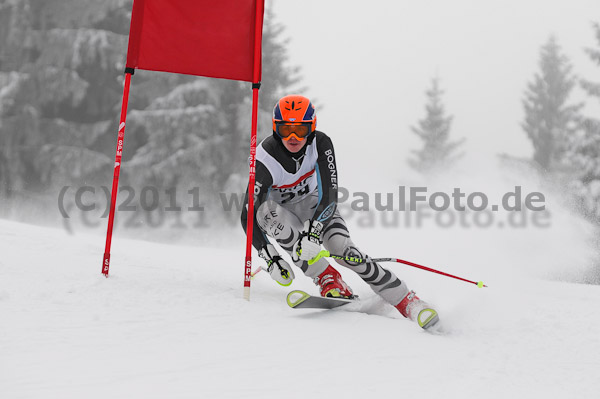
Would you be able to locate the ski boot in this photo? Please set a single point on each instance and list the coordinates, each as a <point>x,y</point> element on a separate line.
<point>331,284</point>
<point>417,310</point>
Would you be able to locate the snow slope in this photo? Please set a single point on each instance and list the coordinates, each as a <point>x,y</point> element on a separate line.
<point>170,322</point>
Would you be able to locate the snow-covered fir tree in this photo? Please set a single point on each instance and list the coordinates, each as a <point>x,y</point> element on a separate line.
<point>61,83</point>
<point>592,86</point>
<point>438,151</point>
<point>550,121</point>
<point>585,152</point>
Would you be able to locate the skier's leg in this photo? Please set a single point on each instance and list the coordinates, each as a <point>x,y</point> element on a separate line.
<point>285,226</point>
<point>385,283</point>
<point>336,240</point>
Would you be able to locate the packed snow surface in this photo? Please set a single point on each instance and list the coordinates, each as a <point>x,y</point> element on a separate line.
<point>170,322</point>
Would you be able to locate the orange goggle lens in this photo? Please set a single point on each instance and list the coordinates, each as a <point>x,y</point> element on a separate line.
<point>287,131</point>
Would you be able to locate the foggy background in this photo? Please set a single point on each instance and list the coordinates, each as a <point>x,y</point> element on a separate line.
<point>483,96</point>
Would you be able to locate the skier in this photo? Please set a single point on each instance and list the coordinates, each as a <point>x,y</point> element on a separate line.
<point>295,203</point>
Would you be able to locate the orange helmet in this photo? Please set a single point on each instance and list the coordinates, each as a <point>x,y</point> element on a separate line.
<point>294,115</point>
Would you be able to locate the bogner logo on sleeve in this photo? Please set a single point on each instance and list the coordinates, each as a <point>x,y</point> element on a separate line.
<point>331,166</point>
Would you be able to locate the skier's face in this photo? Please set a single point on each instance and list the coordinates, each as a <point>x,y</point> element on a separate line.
<point>294,145</point>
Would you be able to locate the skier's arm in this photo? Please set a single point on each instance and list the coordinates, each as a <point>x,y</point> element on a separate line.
<point>309,243</point>
<point>328,180</point>
<point>263,182</point>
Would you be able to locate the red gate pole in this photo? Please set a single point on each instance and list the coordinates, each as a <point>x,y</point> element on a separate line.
<point>115,186</point>
<point>250,221</point>
<point>251,180</point>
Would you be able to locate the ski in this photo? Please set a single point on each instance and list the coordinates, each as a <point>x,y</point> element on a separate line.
<point>427,318</point>
<point>299,299</point>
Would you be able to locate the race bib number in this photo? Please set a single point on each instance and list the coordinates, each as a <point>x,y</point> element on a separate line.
<point>295,193</point>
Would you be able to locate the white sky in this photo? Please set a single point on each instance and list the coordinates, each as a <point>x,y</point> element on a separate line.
<point>369,64</point>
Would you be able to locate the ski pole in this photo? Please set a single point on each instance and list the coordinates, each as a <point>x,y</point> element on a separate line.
<point>327,254</point>
<point>255,272</point>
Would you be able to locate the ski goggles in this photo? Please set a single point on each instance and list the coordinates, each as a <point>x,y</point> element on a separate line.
<point>299,130</point>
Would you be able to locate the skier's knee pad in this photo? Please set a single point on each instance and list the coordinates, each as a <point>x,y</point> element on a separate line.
<point>262,214</point>
<point>342,244</point>
<point>271,217</point>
